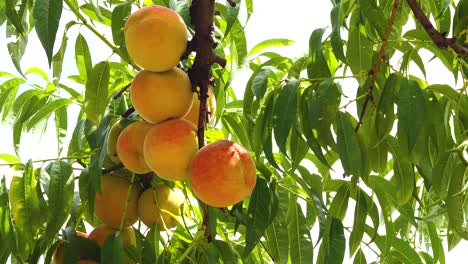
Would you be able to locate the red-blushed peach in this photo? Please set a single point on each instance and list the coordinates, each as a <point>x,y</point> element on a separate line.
<point>169,147</point>
<point>158,96</point>
<point>154,202</point>
<point>109,205</point>
<point>103,231</point>
<point>222,173</point>
<point>130,146</point>
<point>194,112</point>
<point>156,38</point>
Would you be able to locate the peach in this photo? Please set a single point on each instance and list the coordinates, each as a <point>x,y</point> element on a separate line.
<point>194,112</point>
<point>130,146</point>
<point>109,205</point>
<point>58,254</point>
<point>87,261</point>
<point>222,173</point>
<point>112,138</point>
<point>169,147</point>
<point>102,232</point>
<point>154,202</point>
<point>156,38</point>
<point>158,96</point>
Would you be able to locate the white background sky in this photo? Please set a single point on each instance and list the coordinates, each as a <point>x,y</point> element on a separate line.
<point>271,19</point>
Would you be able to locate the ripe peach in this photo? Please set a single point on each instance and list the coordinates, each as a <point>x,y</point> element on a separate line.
<point>112,138</point>
<point>158,96</point>
<point>222,173</point>
<point>58,254</point>
<point>156,38</point>
<point>194,112</point>
<point>109,205</point>
<point>169,147</point>
<point>152,206</point>
<point>130,146</point>
<point>102,232</point>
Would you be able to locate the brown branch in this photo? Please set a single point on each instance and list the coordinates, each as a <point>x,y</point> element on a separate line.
<point>202,13</point>
<point>439,39</point>
<point>378,61</point>
<point>128,112</point>
<point>231,3</point>
<point>119,93</point>
<point>113,168</point>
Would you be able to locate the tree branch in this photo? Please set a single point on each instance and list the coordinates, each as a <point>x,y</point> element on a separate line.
<point>438,38</point>
<point>378,61</point>
<point>202,14</point>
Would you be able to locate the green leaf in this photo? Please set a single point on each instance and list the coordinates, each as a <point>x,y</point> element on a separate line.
<point>403,172</point>
<point>16,46</point>
<point>46,14</point>
<point>57,60</point>
<point>284,120</point>
<point>60,196</point>
<point>25,207</point>
<point>83,57</point>
<point>339,204</point>
<point>456,200</point>
<point>46,111</point>
<point>119,17</point>
<point>436,243</point>
<point>38,71</point>
<point>260,81</point>
<point>262,210</point>
<point>113,250</point>
<point>360,214</point>
<point>6,227</point>
<point>270,43</point>
<point>385,115</point>
<point>61,126</point>
<point>411,111</point>
<point>300,242</point>
<point>317,66</point>
<point>14,17</point>
<point>96,94</point>
<point>360,258</point>
<point>333,246</point>
<point>97,13</point>
<point>232,13</point>
<point>359,48</point>
<point>348,145</point>
<point>235,126</point>
<point>405,252</point>
<point>277,238</point>
<point>9,158</point>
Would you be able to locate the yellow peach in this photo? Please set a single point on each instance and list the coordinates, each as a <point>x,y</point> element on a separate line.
<point>155,203</point>
<point>112,138</point>
<point>130,146</point>
<point>103,231</point>
<point>194,112</point>
<point>222,173</point>
<point>158,96</point>
<point>156,38</point>
<point>58,254</point>
<point>109,205</point>
<point>169,147</point>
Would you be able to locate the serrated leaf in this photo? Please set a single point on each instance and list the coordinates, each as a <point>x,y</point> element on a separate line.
<point>60,195</point>
<point>25,207</point>
<point>270,43</point>
<point>284,120</point>
<point>83,57</point>
<point>348,146</point>
<point>411,111</point>
<point>45,111</point>
<point>359,223</point>
<point>406,253</point>
<point>262,210</point>
<point>339,205</point>
<point>333,246</point>
<point>97,94</point>
<point>113,250</point>
<point>300,242</point>
<point>119,17</point>
<point>46,14</point>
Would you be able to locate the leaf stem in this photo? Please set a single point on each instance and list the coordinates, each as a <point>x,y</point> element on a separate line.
<point>49,159</point>
<point>85,22</point>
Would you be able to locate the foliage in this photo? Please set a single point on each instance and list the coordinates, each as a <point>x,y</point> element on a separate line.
<point>393,159</point>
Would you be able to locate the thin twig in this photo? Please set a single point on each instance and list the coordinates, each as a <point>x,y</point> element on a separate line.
<point>439,39</point>
<point>113,168</point>
<point>50,159</point>
<point>128,112</point>
<point>119,93</point>
<point>378,61</point>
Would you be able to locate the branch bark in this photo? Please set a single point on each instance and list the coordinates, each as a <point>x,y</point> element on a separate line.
<point>202,13</point>
<point>378,61</point>
<point>439,39</point>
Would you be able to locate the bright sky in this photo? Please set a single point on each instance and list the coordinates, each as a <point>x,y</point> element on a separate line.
<point>271,19</point>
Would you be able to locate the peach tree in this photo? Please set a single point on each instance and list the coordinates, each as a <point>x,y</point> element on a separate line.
<point>370,171</point>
